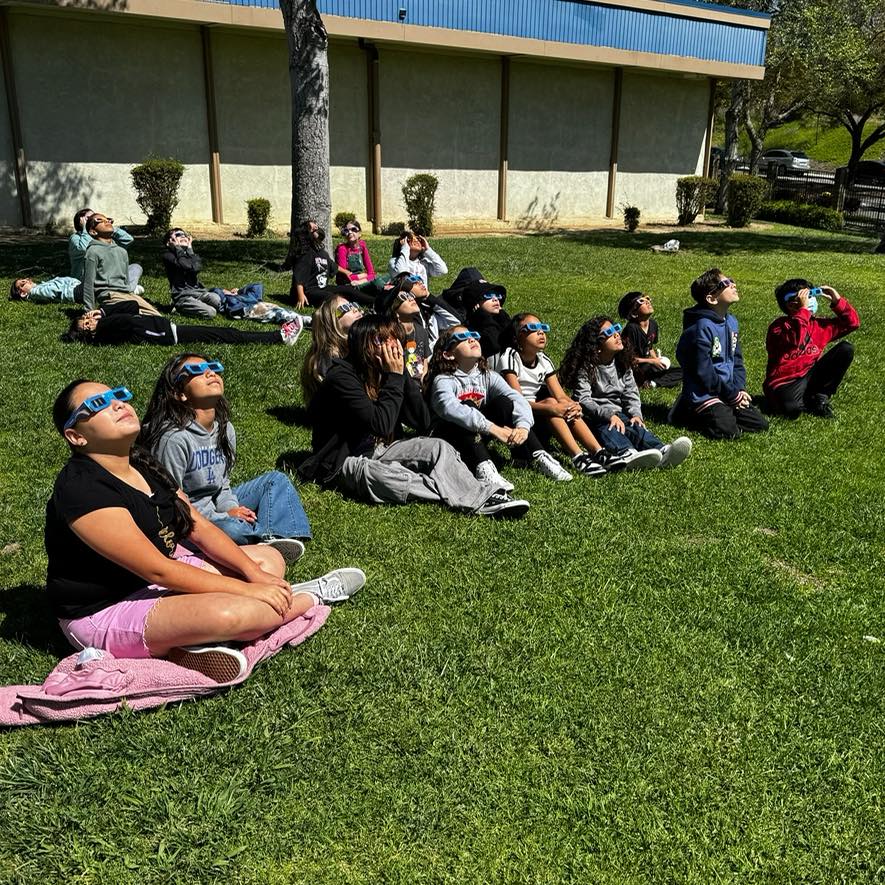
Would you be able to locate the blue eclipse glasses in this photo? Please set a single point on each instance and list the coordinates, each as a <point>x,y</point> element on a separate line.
<point>535,327</point>
<point>458,337</point>
<point>192,370</point>
<point>489,296</point>
<point>95,404</point>
<point>611,330</point>
<point>813,292</point>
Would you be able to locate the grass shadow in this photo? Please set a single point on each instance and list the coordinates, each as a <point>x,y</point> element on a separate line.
<point>290,461</point>
<point>291,416</point>
<point>27,619</point>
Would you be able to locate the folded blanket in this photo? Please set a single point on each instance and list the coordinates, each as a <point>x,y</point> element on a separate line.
<point>73,691</point>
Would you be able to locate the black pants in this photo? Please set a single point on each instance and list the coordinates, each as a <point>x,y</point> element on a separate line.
<point>671,377</point>
<point>316,296</point>
<point>721,421</point>
<point>224,335</point>
<point>471,446</point>
<point>824,378</point>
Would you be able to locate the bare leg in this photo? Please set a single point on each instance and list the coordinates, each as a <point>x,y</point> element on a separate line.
<point>269,559</point>
<point>585,436</point>
<point>564,435</point>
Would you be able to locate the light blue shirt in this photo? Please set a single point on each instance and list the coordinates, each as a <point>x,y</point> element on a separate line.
<point>62,289</point>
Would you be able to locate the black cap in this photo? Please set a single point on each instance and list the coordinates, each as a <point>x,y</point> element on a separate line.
<point>474,293</point>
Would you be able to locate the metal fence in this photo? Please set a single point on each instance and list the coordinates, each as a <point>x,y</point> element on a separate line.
<point>862,204</point>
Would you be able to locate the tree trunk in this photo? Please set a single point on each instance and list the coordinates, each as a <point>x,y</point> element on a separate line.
<point>309,77</point>
<point>733,117</point>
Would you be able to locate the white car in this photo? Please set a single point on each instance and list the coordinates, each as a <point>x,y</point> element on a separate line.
<point>790,161</point>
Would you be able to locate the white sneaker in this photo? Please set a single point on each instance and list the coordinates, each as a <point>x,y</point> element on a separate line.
<point>675,453</point>
<point>291,330</point>
<point>218,662</point>
<point>487,473</point>
<point>139,290</point>
<point>336,586</point>
<point>291,548</point>
<point>548,466</point>
<point>634,460</point>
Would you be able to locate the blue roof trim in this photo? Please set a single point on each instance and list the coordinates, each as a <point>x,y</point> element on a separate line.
<point>582,22</point>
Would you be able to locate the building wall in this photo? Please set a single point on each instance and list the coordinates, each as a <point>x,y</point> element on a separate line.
<point>96,98</point>
<point>441,117</point>
<point>559,143</point>
<point>140,90</point>
<point>663,122</point>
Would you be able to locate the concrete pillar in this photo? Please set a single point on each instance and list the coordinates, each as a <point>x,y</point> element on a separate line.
<point>373,79</point>
<point>616,132</point>
<point>212,122</point>
<point>15,127</point>
<point>505,138</point>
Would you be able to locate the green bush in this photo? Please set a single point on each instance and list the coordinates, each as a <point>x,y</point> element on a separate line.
<point>343,218</point>
<point>156,182</point>
<point>802,215</point>
<point>692,193</point>
<point>419,195</point>
<point>258,213</point>
<point>631,218</point>
<point>746,193</point>
<point>393,228</point>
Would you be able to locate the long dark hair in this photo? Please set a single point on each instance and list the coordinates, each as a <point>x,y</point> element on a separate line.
<point>362,349</point>
<point>75,334</point>
<point>510,336</point>
<point>583,353</point>
<point>167,411</point>
<point>139,458</point>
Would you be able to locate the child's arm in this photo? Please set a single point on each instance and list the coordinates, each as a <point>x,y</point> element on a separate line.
<point>845,319</point>
<point>632,403</point>
<point>436,267</point>
<point>89,263</point>
<point>400,263</point>
<point>122,237</point>
<point>367,261</point>
<point>593,408</point>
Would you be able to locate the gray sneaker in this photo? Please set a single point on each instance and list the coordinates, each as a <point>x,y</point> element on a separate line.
<point>634,460</point>
<point>336,586</point>
<point>675,453</point>
<point>291,548</point>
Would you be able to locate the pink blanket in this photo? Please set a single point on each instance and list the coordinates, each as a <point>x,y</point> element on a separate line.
<point>102,686</point>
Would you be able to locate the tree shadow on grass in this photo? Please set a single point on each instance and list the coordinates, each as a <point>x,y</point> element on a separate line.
<point>28,620</point>
<point>719,242</point>
<point>290,461</point>
<point>291,416</point>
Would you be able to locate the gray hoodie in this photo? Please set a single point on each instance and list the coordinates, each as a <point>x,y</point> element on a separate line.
<point>197,464</point>
<point>451,394</point>
<point>609,393</point>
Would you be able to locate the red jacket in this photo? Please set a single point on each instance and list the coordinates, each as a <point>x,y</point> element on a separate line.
<point>796,342</point>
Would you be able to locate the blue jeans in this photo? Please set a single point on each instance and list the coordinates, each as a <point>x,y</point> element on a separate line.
<point>275,502</point>
<point>633,437</point>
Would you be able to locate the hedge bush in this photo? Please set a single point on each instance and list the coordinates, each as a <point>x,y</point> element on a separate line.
<point>419,195</point>
<point>631,218</point>
<point>746,193</point>
<point>802,215</point>
<point>258,213</point>
<point>692,193</point>
<point>342,218</point>
<point>156,182</point>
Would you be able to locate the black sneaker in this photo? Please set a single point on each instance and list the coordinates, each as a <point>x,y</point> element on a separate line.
<point>590,465</point>
<point>611,462</point>
<point>819,406</point>
<point>503,505</point>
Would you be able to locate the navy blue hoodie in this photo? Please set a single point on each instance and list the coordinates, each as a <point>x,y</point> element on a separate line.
<point>711,359</point>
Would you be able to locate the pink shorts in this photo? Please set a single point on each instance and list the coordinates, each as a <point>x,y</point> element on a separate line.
<point>119,628</point>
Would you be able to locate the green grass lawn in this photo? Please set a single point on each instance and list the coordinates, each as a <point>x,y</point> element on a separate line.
<point>658,677</point>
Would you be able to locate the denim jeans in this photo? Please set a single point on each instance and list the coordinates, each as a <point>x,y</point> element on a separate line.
<point>634,436</point>
<point>273,499</point>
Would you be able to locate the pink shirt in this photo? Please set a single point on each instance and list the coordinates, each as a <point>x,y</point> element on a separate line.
<point>350,257</point>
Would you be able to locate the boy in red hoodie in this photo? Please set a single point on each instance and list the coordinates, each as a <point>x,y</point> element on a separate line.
<point>800,377</point>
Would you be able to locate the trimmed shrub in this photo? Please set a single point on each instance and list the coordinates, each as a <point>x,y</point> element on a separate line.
<point>258,213</point>
<point>802,215</point>
<point>692,193</point>
<point>746,193</point>
<point>419,195</point>
<point>156,182</point>
<point>343,218</point>
<point>631,218</point>
<point>393,228</point>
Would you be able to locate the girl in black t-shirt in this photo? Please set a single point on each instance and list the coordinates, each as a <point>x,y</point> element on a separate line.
<point>117,579</point>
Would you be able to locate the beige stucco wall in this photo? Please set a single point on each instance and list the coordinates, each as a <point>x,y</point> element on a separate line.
<point>9,206</point>
<point>560,139</point>
<point>136,91</point>
<point>441,115</point>
<point>663,124</point>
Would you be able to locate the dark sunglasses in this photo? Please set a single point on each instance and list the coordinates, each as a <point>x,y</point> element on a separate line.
<point>491,295</point>
<point>351,230</point>
<point>192,370</point>
<point>535,327</point>
<point>95,404</point>
<point>611,330</point>
<point>458,337</point>
<point>723,284</point>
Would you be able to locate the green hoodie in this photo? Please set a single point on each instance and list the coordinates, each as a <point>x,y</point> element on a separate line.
<point>105,270</point>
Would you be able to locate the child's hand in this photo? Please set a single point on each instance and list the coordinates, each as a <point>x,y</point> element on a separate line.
<point>424,244</point>
<point>391,357</point>
<point>830,294</point>
<point>744,399</point>
<point>242,513</point>
<point>636,421</point>
<point>518,435</point>
<point>615,423</point>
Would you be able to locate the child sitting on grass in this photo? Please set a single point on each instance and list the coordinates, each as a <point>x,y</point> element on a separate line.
<point>800,377</point>
<point>484,305</point>
<point>529,371</point>
<point>714,399</point>
<point>187,428</point>
<point>650,367</point>
<point>471,402</point>
<point>597,368</point>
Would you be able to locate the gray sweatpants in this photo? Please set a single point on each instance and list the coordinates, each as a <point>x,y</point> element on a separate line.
<point>196,303</point>
<point>419,469</point>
